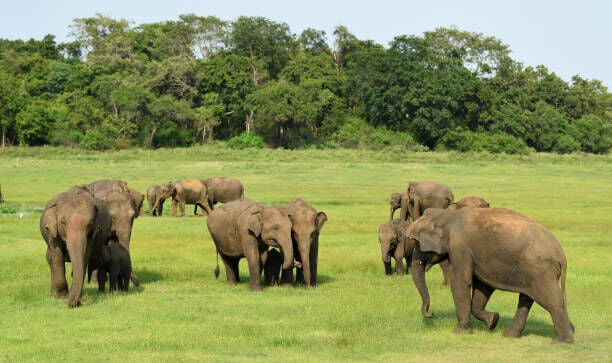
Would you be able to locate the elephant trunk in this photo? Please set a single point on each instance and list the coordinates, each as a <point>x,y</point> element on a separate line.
<point>418,276</point>
<point>386,257</point>
<point>287,249</point>
<point>76,243</point>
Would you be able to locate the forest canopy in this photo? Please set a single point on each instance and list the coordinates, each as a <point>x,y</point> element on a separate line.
<point>253,83</point>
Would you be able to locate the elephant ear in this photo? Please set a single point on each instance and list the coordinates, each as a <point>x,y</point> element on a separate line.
<point>255,222</point>
<point>430,237</point>
<point>411,187</point>
<point>321,219</point>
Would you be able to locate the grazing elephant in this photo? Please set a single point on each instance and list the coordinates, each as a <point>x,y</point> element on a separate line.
<point>399,201</point>
<point>244,228</point>
<point>306,224</point>
<point>272,266</point>
<point>493,248</point>
<point>222,190</point>
<point>156,201</point>
<point>124,205</point>
<point>472,202</point>
<point>395,243</point>
<point>114,261</point>
<point>423,195</point>
<point>75,226</point>
<point>186,191</point>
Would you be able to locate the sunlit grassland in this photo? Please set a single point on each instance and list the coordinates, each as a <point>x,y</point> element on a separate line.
<point>182,313</point>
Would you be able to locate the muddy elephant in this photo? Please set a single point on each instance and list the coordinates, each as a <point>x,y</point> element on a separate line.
<point>399,201</point>
<point>115,262</point>
<point>156,201</point>
<point>222,190</point>
<point>395,243</point>
<point>186,191</point>
<point>423,195</point>
<point>75,226</point>
<point>272,267</point>
<point>306,225</point>
<point>472,202</point>
<point>244,228</point>
<point>493,248</point>
<point>124,205</point>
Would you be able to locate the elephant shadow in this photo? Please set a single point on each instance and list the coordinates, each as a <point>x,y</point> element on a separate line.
<point>148,276</point>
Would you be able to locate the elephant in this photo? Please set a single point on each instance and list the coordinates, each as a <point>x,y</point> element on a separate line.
<point>395,243</point>
<point>114,261</point>
<point>156,201</point>
<point>272,266</point>
<point>222,190</point>
<point>493,248</point>
<point>306,225</point>
<point>74,226</point>
<point>244,228</point>
<point>186,191</point>
<point>397,201</point>
<point>124,205</point>
<point>423,195</point>
<point>472,202</point>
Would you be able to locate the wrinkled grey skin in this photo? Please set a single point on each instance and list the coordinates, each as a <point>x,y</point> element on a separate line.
<point>186,191</point>
<point>423,195</point>
<point>306,225</point>
<point>124,205</point>
<point>396,202</point>
<point>114,261</point>
<point>489,249</point>
<point>395,243</point>
<point>471,202</point>
<point>272,267</point>
<point>244,228</point>
<point>222,190</point>
<point>74,226</point>
<point>155,199</point>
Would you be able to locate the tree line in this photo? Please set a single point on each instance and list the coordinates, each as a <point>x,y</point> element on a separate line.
<point>252,82</point>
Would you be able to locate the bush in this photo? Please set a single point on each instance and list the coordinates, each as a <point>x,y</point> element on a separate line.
<point>356,133</point>
<point>246,140</point>
<point>497,143</point>
<point>95,139</point>
<point>565,144</point>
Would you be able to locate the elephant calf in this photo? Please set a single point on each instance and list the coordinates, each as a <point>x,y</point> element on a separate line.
<point>114,261</point>
<point>395,243</point>
<point>272,267</point>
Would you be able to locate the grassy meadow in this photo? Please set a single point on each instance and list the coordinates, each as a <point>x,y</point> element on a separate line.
<point>181,312</point>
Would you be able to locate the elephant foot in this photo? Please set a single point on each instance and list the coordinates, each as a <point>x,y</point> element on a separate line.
<point>512,332</point>
<point>73,303</point>
<point>462,330</point>
<point>491,323</point>
<point>564,339</point>
<point>255,288</point>
<point>59,294</point>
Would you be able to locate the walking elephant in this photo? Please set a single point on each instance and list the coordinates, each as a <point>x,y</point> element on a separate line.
<point>222,190</point>
<point>306,225</point>
<point>423,195</point>
<point>395,243</point>
<point>493,248</point>
<point>186,191</point>
<point>244,228</point>
<point>124,205</point>
<point>74,226</point>
<point>399,201</point>
<point>156,200</point>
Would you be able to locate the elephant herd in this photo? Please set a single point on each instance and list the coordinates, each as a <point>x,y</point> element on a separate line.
<point>480,249</point>
<point>484,249</point>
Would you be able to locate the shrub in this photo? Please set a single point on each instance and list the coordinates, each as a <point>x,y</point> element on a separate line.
<point>246,140</point>
<point>95,139</point>
<point>497,143</point>
<point>566,144</point>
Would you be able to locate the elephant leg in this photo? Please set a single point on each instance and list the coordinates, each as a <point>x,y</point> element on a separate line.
<point>461,287</point>
<point>174,205</point>
<point>446,271</point>
<point>253,260</point>
<point>101,277</point>
<point>59,285</point>
<point>518,323</point>
<point>287,277</point>
<point>182,206</point>
<point>549,295</point>
<point>480,296</point>
<point>231,269</point>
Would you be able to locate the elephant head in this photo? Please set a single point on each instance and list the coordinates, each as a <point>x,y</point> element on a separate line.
<point>272,226</point>
<point>399,201</point>
<point>389,235</point>
<point>306,224</point>
<point>168,190</point>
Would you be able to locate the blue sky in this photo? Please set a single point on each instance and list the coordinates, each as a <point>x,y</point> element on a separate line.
<point>568,37</point>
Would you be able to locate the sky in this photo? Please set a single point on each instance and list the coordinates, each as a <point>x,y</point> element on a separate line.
<point>569,37</point>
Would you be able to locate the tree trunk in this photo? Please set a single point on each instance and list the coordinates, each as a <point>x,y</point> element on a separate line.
<point>151,136</point>
<point>1,199</point>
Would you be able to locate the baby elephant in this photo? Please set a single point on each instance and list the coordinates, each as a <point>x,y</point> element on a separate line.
<point>272,267</point>
<point>395,243</point>
<point>117,264</point>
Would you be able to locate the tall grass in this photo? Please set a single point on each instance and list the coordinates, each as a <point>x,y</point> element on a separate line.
<point>182,313</point>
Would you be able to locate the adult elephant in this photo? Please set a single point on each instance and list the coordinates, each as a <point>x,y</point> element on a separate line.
<point>244,228</point>
<point>399,201</point>
<point>306,225</point>
<point>75,226</point>
<point>395,243</point>
<point>222,190</point>
<point>186,191</point>
<point>493,248</point>
<point>423,195</point>
<point>471,202</point>
<point>156,201</point>
<point>124,204</point>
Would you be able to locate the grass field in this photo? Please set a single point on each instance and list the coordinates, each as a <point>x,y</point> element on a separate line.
<point>181,312</point>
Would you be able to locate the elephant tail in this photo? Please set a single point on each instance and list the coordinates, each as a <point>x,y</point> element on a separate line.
<point>217,268</point>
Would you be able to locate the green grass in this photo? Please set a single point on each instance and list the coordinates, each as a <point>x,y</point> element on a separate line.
<point>182,313</point>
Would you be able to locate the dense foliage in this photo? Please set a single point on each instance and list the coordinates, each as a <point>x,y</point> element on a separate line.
<point>179,83</point>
